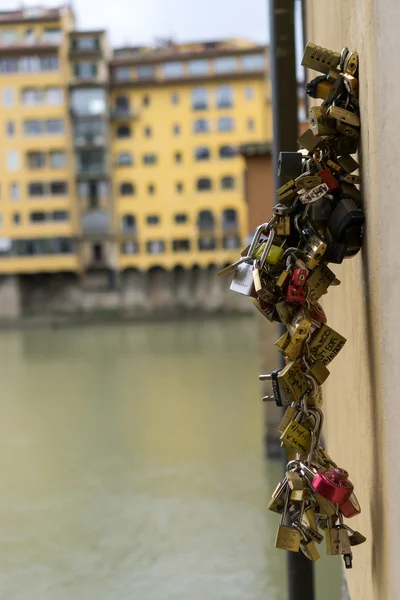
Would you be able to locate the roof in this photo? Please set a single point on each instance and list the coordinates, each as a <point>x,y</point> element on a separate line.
<point>33,13</point>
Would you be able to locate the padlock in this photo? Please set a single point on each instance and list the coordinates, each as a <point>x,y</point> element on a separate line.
<point>328,177</point>
<point>335,252</point>
<point>278,396</point>
<point>348,130</point>
<point>295,295</point>
<point>320,210</point>
<point>350,64</point>
<point>334,166</point>
<point>345,215</point>
<point>283,279</point>
<point>338,88</point>
<point>353,240</point>
<point>313,194</point>
<point>314,249</point>
<point>343,144</point>
<point>321,123</point>
<point>282,226</point>
<point>290,415</point>
<point>350,178</point>
<point>351,507</point>
<point>319,371</point>
<point>318,313</point>
<point>319,87</point>
<point>273,256</point>
<point>319,58</point>
<point>309,141</point>
<point>287,198</point>
<point>299,328</point>
<point>352,192</point>
<point>344,116</point>
<point>242,281</point>
<point>347,163</point>
<point>309,550</point>
<point>351,83</point>
<point>355,537</point>
<point>290,164</point>
<point>299,277</point>
<point>289,185</point>
<point>333,484</point>
<point>293,383</point>
<point>291,349</point>
<point>325,344</point>
<point>266,309</point>
<point>332,540</point>
<point>277,502</point>
<point>325,506</point>
<point>297,437</point>
<point>285,311</point>
<point>307,181</point>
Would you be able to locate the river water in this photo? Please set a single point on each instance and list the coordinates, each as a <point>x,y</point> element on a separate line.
<point>131,466</point>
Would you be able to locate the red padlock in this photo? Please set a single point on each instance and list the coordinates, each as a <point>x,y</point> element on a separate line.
<point>318,313</point>
<point>295,295</point>
<point>350,508</point>
<point>333,484</point>
<point>328,177</point>
<point>299,277</point>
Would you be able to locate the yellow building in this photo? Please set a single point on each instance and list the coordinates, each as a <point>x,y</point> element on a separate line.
<point>130,160</point>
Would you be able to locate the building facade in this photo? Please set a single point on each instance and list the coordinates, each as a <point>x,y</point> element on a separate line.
<point>126,159</point>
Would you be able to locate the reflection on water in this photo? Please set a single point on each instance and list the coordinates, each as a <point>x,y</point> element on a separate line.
<point>131,465</point>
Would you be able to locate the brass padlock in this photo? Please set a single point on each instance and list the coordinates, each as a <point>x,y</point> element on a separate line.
<point>297,437</point>
<point>347,163</point>
<point>321,123</point>
<point>314,249</point>
<point>319,58</point>
<point>285,311</point>
<point>300,326</point>
<point>343,115</point>
<point>310,551</point>
<point>282,226</point>
<point>319,371</point>
<point>309,141</point>
<point>285,188</point>
<point>288,197</point>
<point>325,344</point>
<point>351,63</point>
<point>318,282</point>
<point>348,130</point>
<point>350,178</point>
<point>283,278</point>
<point>290,414</point>
<point>292,381</point>
<point>350,191</point>
<point>307,181</point>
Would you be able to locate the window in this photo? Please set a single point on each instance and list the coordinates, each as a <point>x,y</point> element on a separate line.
<point>173,69</point>
<point>178,157</point>
<point>85,69</point>
<point>47,63</point>
<point>153,220</point>
<point>54,126</point>
<point>33,127</point>
<point>199,99</point>
<point>198,67</point>
<point>179,187</point>
<point>249,92</point>
<point>36,160</point>
<point>180,245</point>
<point>37,217</point>
<point>224,96</point>
<point>58,188</point>
<point>151,189</point>
<point>176,129</point>
<point>54,95</point>
<point>16,218</point>
<point>225,124</point>
<point>175,98</point>
<point>126,189</point>
<point>58,159</point>
<point>130,248</point>
<point>227,152</point>
<point>227,182</point>
<point>203,184</point>
<point>124,159</point>
<point>31,96</point>
<point>122,73</point>
<point>60,215</point>
<point>86,43</point>
<point>207,243</point>
<point>253,62</point>
<point>88,130</point>
<point>225,64</point>
<point>149,159</point>
<point>230,242</point>
<point>8,65</point>
<point>88,101</point>
<point>12,160</point>
<point>155,246</point>
<point>181,218</point>
<point>229,219</point>
<point>128,223</point>
<point>123,131</point>
<point>14,191</point>
<point>29,36</point>
<point>202,153</point>
<point>250,124</point>
<point>36,189</point>
<point>8,37</point>
<point>10,128</point>
<point>146,100</point>
<point>52,35</point>
<point>148,132</point>
<point>97,252</point>
<point>146,71</point>
<point>205,220</point>
<point>122,103</point>
<point>201,126</point>
<point>8,97</point>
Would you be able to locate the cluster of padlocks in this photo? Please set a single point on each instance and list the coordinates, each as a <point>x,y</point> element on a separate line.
<point>318,219</point>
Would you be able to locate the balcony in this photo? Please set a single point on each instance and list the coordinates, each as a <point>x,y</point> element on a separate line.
<point>95,222</point>
<point>123,113</point>
<point>89,139</point>
<point>91,164</point>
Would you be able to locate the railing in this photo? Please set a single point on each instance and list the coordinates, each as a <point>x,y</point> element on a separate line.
<point>123,113</point>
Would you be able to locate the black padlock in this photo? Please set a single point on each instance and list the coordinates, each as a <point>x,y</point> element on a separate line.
<point>345,216</point>
<point>335,252</point>
<point>312,86</point>
<point>320,210</point>
<point>290,164</point>
<point>353,240</point>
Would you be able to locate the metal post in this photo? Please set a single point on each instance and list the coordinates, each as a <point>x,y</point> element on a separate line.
<point>285,133</point>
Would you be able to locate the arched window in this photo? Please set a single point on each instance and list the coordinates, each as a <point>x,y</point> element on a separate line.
<point>126,189</point>
<point>228,182</point>
<point>128,223</point>
<point>202,153</point>
<point>122,103</point>
<point>226,151</point>
<point>229,219</point>
<point>123,131</point>
<point>205,220</point>
<point>199,98</point>
<point>203,184</point>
